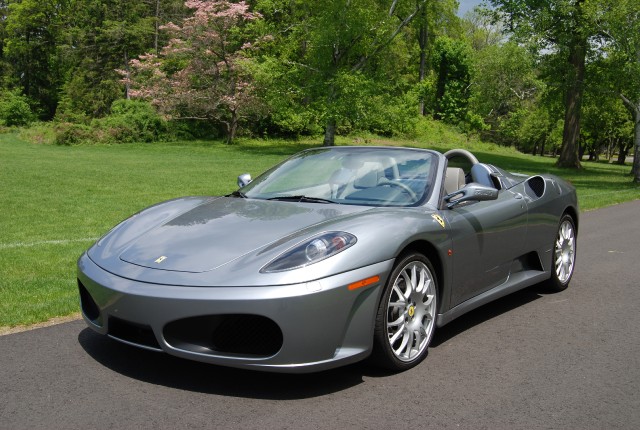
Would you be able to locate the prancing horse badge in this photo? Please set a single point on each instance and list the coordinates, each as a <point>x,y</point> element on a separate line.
<point>439,219</point>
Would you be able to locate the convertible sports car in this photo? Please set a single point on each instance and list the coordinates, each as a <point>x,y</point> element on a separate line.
<point>334,255</point>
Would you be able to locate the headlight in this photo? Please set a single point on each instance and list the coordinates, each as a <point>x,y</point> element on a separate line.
<point>311,251</point>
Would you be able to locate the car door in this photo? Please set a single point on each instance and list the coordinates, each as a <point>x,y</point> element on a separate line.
<point>486,237</point>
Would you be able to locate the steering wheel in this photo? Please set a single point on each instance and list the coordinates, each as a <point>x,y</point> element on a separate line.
<point>461,153</point>
<point>385,181</point>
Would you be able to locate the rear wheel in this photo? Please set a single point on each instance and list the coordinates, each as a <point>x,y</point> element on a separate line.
<point>406,316</point>
<point>564,255</point>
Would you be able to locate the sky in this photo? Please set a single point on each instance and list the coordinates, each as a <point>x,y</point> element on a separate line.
<point>467,5</point>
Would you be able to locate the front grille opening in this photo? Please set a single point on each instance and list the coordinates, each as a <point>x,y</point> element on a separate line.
<point>234,334</point>
<point>138,334</point>
<point>88,305</point>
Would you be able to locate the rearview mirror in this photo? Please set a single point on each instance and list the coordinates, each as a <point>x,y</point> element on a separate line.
<point>244,180</point>
<point>472,192</point>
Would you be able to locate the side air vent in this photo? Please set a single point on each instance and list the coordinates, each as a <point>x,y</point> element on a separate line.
<point>535,187</point>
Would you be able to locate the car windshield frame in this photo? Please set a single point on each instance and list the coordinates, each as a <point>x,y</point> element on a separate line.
<point>362,176</point>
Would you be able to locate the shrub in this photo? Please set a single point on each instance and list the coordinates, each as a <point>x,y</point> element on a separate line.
<point>15,109</point>
<point>131,121</point>
<point>41,133</point>
<point>67,133</point>
<point>392,116</point>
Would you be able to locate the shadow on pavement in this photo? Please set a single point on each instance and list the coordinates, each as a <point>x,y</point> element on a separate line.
<point>485,313</point>
<point>166,370</point>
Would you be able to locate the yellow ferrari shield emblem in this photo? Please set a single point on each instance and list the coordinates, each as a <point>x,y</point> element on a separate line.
<point>439,219</point>
<point>161,259</point>
<point>412,311</point>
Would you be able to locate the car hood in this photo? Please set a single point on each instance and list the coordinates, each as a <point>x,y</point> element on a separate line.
<point>219,231</point>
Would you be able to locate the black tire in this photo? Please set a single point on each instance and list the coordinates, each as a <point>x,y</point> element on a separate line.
<point>564,255</point>
<point>406,317</point>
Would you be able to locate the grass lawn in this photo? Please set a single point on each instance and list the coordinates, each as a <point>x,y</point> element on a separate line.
<point>57,200</point>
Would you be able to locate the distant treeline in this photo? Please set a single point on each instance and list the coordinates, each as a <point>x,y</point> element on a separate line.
<point>559,76</point>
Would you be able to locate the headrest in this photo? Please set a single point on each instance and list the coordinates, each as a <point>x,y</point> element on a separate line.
<point>453,180</point>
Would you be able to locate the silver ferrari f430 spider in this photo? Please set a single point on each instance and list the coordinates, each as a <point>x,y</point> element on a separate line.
<point>335,255</point>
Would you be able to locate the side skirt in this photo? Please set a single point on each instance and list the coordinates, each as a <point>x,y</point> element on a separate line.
<point>516,282</point>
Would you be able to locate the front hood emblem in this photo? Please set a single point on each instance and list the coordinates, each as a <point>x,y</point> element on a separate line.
<point>161,259</point>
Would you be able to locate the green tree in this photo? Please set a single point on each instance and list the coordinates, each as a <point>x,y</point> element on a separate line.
<point>535,129</point>
<point>201,73</point>
<point>332,53</point>
<point>436,18</point>
<point>504,82</point>
<point>563,27</point>
<point>14,109</point>
<point>619,25</point>
<point>480,29</point>
<point>452,62</point>
<point>103,35</point>
<point>32,32</point>
<point>607,126</point>
<point>4,65</point>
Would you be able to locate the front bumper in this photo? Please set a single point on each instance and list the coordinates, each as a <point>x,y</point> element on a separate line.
<point>308,327</point>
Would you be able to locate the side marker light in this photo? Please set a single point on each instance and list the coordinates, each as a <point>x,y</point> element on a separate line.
<point>363,283</point>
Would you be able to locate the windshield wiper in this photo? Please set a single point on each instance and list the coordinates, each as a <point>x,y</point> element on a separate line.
<point>301,198</point>
<point>237,194</point>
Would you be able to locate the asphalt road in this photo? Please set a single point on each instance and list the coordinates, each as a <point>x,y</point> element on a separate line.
<point>532,360</point>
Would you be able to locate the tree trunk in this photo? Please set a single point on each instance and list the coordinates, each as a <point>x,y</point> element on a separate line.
<point>635,170</point>
<point>157,29</point>
<point>127,82</point>
<point>440,88</point>
<point>634,108</point>
<point>610,149</point>
<point>422,43</point>
<point>330,133</point>
<point>232,127</point>
<point>622,156</point>
<point>330,130</point>
<point>571,132</point>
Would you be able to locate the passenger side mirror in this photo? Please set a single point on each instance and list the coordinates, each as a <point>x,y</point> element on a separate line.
<point>470,193</point>
<point>244,180</point>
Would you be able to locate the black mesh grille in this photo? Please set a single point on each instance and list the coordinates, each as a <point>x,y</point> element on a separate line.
<point>235,334</point>
<point>138,334</point>
<point>247,334</point>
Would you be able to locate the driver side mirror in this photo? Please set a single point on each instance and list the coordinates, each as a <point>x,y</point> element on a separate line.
<point>244,180</point>
<point>472,192</point>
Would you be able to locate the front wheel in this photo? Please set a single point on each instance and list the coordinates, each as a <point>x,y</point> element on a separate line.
<point>406,317</point>
<point>564,255</point>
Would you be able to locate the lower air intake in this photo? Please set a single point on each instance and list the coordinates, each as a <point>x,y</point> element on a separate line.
<point>138,334</point>
<point>89,307</point>
<point>234,334</point>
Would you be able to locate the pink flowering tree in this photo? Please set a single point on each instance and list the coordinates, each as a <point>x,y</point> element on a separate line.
<point>202,72</point>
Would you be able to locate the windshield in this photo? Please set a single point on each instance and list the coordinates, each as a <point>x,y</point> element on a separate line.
<point>348,175</point>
